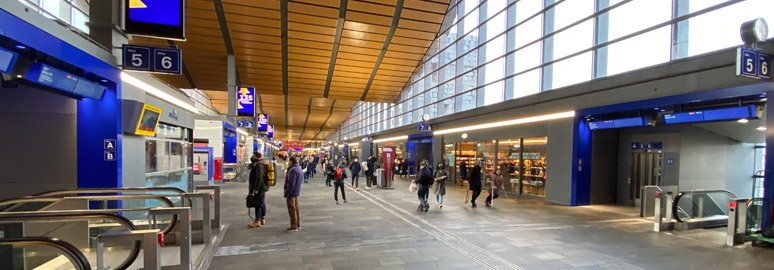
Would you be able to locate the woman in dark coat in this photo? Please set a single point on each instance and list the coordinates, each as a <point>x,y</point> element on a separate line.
<point>404,168</point>
<point>474,183</point>
<point>463,172</point>
<point>424,180</point>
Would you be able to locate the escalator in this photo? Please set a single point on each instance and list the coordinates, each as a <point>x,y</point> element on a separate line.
<point>702,208</point>
<point>72,235</point>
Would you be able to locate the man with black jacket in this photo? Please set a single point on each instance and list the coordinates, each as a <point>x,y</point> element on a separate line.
<point>474,183</point>
<point>355,169</point>
<point>258,187</point>
<point>369,171</point>
<point>424,180</point>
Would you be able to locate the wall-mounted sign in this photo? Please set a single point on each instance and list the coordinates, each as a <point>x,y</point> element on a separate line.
<point>270,131</point>
<point>246,101</point>
<point>425,127</point>
<point>263,122</point>
<point>152,59</point>
<point>155,18</point>
<point>110,149</point>
<point>245,124</point>
<point>149,121</point>
<point>651,145</point>
<point>752,64</point>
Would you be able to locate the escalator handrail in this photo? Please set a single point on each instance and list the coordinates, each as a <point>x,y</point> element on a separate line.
<point>675,204</point>
<point>78,215</point>
<point>162,198</point>
<point>72,253</point>
<point>91,191</point>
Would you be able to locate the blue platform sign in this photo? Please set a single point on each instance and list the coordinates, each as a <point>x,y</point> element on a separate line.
<point>167,61</point>
<point>245,124</point>
<point>246,101</point>
<point>752,64</point>
<point>263,122</point>
<point>425,127</point>
<point>152,59</point>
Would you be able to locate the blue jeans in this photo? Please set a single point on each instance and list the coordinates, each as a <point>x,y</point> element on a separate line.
<point>260,211</point>
<point>306,175</point>
<point>440,198</point>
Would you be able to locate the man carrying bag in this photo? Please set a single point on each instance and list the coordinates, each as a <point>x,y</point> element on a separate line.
<point>258,186</point>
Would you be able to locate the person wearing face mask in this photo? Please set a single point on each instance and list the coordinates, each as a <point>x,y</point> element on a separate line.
<point>439,188</point>
<point>424,180</point>
<point>258,187</point>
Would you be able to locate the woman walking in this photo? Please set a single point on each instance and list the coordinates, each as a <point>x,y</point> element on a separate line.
<point>463,172</point>
<point>439,188</point>
<point>497,184</point>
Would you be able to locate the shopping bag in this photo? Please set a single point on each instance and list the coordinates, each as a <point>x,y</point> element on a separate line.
<point>413,187</point>
<point>467,196</point>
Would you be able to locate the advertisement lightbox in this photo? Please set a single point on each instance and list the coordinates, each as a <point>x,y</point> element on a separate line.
<point>263,122</point>
<point>246,101</point>
<point>155,18</point>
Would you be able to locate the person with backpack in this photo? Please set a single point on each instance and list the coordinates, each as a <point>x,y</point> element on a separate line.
<point>330,172</point>
<point>258,186</point>
<point>355,169</point>
<point>338,182</point>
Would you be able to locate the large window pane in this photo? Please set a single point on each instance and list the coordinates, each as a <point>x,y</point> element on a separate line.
<point>446,107</point>
<point>494,70</point>
<point>447,90</point>
<point>467,82</point>
<point>527,8</point>
<point>495,48</point>
<point>571,71</point>
<point>641,51</point>
<point>529,31</point>
<point>569,12</point>
<point>527,58</point>
<point>573,40</point>
<point>465,101</point>
<point>638,15</point>
<point>720,29</point>
<point>494,6</point>
<point>470,22</point>
<point>526,84</point>
<point>493,93</point>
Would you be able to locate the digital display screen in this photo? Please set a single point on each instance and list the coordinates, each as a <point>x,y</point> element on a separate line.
<point>270,131</point>
<point>149,120</point>
<point>55,78</point>
<point>89,89</point>
<point>687,117</point>
<point>711,115</point>
<point>246,102</point>
<point>7,60</point>
<point>263,122</point>
<point>618,123</point>
<point>729,113</point>
<point>155,18</point>
<point>155,11</point>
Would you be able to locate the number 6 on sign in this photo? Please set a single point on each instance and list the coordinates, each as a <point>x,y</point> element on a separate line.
<point>167,61</point>
<point>764,61</point>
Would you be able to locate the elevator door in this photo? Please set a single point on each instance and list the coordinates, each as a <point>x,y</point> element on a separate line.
<point>646,171</point>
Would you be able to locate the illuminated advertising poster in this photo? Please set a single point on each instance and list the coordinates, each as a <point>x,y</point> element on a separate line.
<point>246,101</point>
<point>263,122</point>
<point>156,18</point>
<point>271,131</point>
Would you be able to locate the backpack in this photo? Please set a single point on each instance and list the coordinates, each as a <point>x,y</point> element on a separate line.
<point>270,175</point>
<point>330,172</point>
<point>339,171</point>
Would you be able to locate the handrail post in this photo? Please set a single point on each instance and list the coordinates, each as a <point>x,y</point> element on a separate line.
<point>216,197</point>
<point>737,221</point>
<point>150,245</point>
<point>657,213</point>
<point>185,232</point>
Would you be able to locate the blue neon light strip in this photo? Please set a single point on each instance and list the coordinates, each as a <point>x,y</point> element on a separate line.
<point>711,115</point>
<point>618,123</point>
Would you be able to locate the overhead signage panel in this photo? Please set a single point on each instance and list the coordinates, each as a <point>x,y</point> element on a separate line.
<point>619,123</point>
<point>152,59</point>
<point>752,64</point>
<point>155,18</point>
<point>270,131</point>
<point>263,122</point>
<point>246,101</point>
<point>734,113</point>
<point>7,60</point>
<point>60,80</point>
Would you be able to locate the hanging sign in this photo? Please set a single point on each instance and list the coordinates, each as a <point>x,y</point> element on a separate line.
<point>752,64</point>
<point>155,18</point>
<point>270,131</point>
<point>246,101</point>
<point>263,122</point>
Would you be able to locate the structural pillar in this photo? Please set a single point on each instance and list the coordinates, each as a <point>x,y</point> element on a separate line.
<point>232,87</point>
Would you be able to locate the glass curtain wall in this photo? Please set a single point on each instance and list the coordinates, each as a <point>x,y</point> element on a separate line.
<point>495,50</point>
<point>72,12</point>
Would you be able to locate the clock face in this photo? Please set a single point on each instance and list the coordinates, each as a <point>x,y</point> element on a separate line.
<point>426,117</point>
<point>761,29</point>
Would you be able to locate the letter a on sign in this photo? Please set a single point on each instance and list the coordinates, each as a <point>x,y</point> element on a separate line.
<point>110,144</point>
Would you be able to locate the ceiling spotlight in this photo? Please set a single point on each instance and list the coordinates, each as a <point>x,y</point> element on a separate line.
<point>761,128</point>
<point>103,80</point>
<point>21,47</point>
<point>743,121</point>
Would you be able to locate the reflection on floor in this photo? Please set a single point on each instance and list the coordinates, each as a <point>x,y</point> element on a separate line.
<point>380,229</point>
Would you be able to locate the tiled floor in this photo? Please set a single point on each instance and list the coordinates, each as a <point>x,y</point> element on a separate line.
<point>380,229</point>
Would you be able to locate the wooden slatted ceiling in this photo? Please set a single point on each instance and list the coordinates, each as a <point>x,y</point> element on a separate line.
<point>256,37</point>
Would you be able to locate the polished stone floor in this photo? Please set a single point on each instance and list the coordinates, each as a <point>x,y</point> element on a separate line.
<point>381,229</point>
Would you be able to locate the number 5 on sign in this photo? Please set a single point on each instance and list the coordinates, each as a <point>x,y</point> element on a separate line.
<point>752,64</point>
<point>137,58</point>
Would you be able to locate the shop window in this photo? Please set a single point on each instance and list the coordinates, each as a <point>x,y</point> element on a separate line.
<point>508,160</point>
<point>535,174</point>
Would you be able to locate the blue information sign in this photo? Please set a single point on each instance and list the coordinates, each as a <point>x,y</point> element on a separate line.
<point>263,122</point>
<point>270,131</point>
<point>245,124</point>
<point>752,64</point>
<point>166,61</point>
<point>424,127</point>
<point>151,59</point>
<point>246,101</point>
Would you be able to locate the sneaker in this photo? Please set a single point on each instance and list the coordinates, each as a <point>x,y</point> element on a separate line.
<point>368,188</point>
<point>437,204</point>
<point>291,229</point>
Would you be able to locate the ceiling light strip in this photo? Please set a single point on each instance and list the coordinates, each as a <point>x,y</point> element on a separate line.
<point>153,91</point>
<point>385,46</point>
<point>398,138</point>
<point>519,121</point>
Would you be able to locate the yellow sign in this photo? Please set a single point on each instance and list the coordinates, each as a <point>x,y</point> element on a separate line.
<point>137,4</point>
<point>149,121</point>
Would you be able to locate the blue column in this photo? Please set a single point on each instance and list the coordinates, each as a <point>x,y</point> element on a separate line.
<point>581,176</point>
<point>768,180</point>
